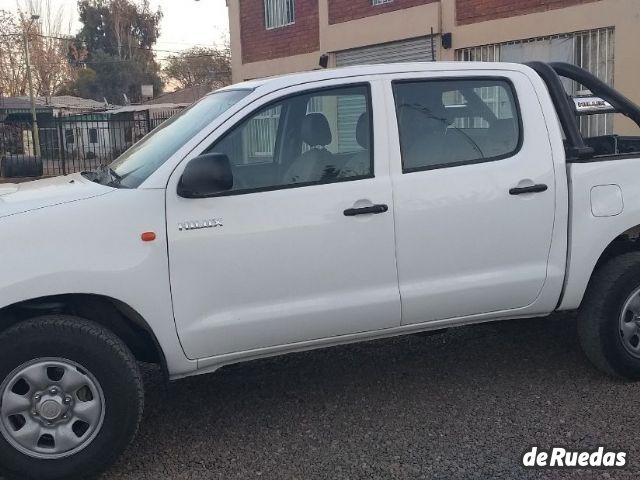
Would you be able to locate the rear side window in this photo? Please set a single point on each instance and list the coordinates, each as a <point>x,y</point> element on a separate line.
<point>445,123</point>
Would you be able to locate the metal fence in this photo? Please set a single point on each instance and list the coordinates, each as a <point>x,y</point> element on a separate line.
<point>592,50</point>
<point>71,144</point>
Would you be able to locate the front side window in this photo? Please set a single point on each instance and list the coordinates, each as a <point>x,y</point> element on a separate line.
<point>278,13</point>
<point>317,137</point>
<point>453,122</point>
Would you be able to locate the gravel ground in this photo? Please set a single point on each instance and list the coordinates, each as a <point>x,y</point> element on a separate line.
<point>463,404</point>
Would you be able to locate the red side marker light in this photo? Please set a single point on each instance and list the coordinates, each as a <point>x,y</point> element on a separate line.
<point>148,236</point>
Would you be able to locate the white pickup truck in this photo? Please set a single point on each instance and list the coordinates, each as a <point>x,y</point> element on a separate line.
<point>306,211</point>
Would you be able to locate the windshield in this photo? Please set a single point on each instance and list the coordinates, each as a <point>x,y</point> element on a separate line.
<point>133,167</point>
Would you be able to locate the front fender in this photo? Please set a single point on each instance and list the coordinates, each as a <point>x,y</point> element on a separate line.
<point>93,246</point>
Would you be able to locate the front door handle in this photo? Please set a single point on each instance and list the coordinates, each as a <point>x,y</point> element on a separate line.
<point>373,209</point>
<point>540,187</point>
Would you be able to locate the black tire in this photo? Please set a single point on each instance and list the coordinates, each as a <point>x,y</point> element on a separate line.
<point>599,314</point>
<point>22,166</point>
<point>110,362</point>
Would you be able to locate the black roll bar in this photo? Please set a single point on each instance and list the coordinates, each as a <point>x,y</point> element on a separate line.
<point>576,148</point>
<point>599,88</point>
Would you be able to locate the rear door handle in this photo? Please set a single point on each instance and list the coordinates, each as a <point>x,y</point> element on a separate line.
<point>374,209</point>
<point>540,187</point>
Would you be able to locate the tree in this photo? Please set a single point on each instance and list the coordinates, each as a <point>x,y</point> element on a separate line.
<point>84,86</point>
<point>120,28</point>
<point>48,48</point>
<point>200,66</point>
<point>118,78</point>
<point>49,42</point>
<point>13,81</point>
<point>118,36</point>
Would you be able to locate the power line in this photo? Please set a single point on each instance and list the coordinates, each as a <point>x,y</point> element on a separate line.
<point>158,50</point>
<point>109,62</point>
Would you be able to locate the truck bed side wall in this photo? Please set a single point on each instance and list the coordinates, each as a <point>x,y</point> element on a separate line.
<point>605,202</point>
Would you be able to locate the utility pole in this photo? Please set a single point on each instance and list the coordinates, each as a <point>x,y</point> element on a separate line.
<point>34,119</point>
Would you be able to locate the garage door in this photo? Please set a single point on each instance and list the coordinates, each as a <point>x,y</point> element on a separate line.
<point>413,50</point>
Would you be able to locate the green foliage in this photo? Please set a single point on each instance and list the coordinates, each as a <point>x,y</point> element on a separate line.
<point>84,86</point>
<point>200,66</point>
<point>119,28</point>
<point>118,36</point>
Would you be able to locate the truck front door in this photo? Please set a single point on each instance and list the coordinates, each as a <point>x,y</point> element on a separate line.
<point>302,248</point>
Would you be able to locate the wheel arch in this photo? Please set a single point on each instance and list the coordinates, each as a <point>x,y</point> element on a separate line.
<point>119,317</point>
<point>625,242</point>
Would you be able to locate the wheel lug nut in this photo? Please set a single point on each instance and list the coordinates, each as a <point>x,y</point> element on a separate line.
<point>37,397</point>
<point>34,413</point>
<point>53,391</point>
<point>67,400</point>
<point>65,416</point>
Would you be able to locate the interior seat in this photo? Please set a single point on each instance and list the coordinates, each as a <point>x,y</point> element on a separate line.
<point>359,164</point>
<point>423,135</point>
<point>317,162</point>
<point>429,138</point>
<point>502,137</point>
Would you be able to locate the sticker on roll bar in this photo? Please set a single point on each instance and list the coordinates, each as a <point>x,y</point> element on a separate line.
<point>592,106</point>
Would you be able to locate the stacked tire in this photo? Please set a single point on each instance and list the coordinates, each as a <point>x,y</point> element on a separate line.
<point>21,166</point>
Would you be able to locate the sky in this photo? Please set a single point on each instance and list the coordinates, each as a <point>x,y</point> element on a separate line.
<point>186,23</point>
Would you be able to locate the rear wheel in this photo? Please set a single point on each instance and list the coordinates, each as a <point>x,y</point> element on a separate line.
<point>71,398</point>
<point>609,318</point>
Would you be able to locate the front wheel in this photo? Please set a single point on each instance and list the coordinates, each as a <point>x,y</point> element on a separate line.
<point>71,398</point>
<point>609,318</point>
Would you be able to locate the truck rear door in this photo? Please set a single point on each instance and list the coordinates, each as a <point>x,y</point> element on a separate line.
<point>474,193</point>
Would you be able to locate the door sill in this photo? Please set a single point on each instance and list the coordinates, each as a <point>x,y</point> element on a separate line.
<point>211,364</point>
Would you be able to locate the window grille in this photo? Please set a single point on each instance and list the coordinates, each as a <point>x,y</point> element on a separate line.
<point>592,50</point>
<point>278,13</point>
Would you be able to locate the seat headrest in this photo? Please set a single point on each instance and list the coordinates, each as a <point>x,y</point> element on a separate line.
<point>502,136</point>
<point>315,130</point>
<point>362,131</point>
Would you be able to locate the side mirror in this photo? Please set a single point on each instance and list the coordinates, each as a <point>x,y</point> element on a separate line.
<point>205,176</point>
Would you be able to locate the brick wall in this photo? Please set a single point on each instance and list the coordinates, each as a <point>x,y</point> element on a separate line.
<point>472,11</point>
<point>345,10</point>
<point>258,43</point>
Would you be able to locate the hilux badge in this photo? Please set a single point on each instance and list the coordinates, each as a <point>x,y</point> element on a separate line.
<point>199,224</point>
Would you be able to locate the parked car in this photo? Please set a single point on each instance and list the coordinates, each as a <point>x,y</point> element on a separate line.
<point>307,211</point>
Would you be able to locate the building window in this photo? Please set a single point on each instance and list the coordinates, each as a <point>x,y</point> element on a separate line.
<point>380,2</point>
<point>592,50</point>
<point>93,135</point>
<point>278,13</point>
